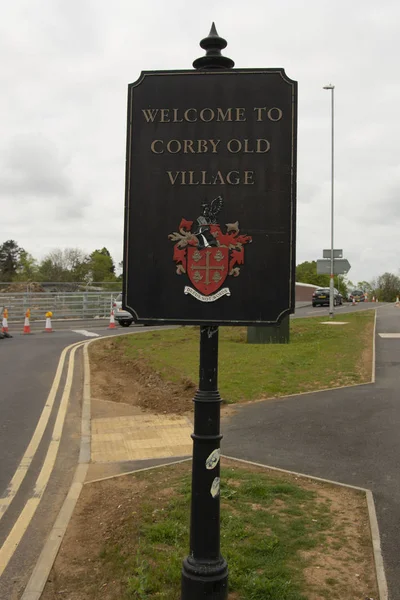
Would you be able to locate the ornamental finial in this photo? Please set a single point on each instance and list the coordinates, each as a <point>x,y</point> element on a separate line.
<point>213,44</point>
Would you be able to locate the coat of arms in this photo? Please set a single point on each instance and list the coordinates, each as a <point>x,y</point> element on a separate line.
<point>206,254</point>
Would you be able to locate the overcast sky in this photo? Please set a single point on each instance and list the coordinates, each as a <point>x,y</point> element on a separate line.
<point>64,72</point>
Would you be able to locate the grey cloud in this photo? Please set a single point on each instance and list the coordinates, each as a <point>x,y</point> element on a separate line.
<point>37,175</point>
<point>33,167</point>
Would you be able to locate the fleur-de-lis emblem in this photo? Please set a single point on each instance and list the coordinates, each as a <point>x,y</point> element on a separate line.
<point>196,255</point>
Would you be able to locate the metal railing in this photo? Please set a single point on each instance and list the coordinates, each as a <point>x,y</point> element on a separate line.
<point>59,286</point>
<point>63,304</point>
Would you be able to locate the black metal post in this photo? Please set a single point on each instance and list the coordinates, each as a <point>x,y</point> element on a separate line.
<point>205,571</point>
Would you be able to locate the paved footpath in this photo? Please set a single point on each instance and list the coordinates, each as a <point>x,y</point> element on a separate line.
<point>349,435</point>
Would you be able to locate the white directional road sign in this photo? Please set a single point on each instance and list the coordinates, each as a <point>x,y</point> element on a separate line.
<point>336,253</point>
<point>340,266</point>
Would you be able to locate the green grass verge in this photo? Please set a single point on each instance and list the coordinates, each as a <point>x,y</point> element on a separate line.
<point>318,357</point>
<point>270,531</point>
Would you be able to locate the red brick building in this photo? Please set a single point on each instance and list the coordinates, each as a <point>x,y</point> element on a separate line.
<point>304,291</point>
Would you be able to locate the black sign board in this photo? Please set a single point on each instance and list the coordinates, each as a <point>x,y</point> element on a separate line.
<point>210,197</point>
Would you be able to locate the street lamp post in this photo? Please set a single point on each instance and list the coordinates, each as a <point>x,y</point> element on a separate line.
<point>331,286</point>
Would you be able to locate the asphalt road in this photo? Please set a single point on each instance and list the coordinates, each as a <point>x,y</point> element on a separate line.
<point>349,435</point>
<point>28,365</point>
<point>320,311</point>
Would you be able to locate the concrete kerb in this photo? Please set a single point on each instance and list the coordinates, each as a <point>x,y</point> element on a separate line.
<point>41,572</point>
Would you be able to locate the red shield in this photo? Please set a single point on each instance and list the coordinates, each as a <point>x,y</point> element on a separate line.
<point>207,268</point>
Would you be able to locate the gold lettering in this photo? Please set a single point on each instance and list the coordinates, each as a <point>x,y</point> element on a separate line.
<point>220,178</point>
<point>259,117</point>
<point>164,115</point>
<point>232,144</point>
<point>188,146</point>
<point>248,178</point>
<point>271,115</point>
<point>178,146</point>
<point>203,178</point>
<point>175,119</point>
<point>191,182</point>
<point>214,145</point>
<point>206,178</point>
<point>279,115</point>
<point>259,148</point>
<point>246,149</point>
<point>236,180</point>
<point>191,115</point>
<point>153,147</point>
<point>202,146</point>
<point>224,116</point>
<point>173,177</point>
<point>150,114</point>
<point>211,115</point>
<point>186,115</point>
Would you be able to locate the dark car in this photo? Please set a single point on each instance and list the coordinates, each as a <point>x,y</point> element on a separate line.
<point>321,297</point>
<point>357,295</point>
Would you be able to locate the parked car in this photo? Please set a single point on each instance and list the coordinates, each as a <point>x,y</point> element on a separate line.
<point>358,296</point>
<point>322,295</point>
<point>123,317</point>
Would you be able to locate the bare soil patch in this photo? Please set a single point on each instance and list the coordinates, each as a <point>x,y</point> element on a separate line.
<point>116,378</point>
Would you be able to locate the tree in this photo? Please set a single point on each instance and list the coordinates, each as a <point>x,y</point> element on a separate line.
<point>27,269</point>
<point>101,266</point>
<point>387,287</point>
<point>77,263</point>
<point>10,255</point>
<point>70,264</point>
<point>306,272</point>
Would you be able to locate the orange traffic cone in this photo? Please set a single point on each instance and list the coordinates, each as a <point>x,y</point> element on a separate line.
<point>48,328</point>
<point>112,321</point>
<point>4,328</point>
<point>27,327</point>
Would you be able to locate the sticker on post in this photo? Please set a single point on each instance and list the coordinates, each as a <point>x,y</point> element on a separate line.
<point>213,459</point>
<point>215,487</point>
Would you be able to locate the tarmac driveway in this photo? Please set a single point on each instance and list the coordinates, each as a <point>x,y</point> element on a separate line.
<point>350,435</point>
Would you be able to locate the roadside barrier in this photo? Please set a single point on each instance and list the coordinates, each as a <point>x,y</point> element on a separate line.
<point>112,321</point>
<point>27,326</point>
<point>373,298</point>
<point>4,328</point>
<point>397,301</point>
<point>354,302</point>
<point>48,328</point>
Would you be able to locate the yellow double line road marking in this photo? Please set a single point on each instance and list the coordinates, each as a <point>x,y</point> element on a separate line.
<point>30,452</point>
<point>21,525</point>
